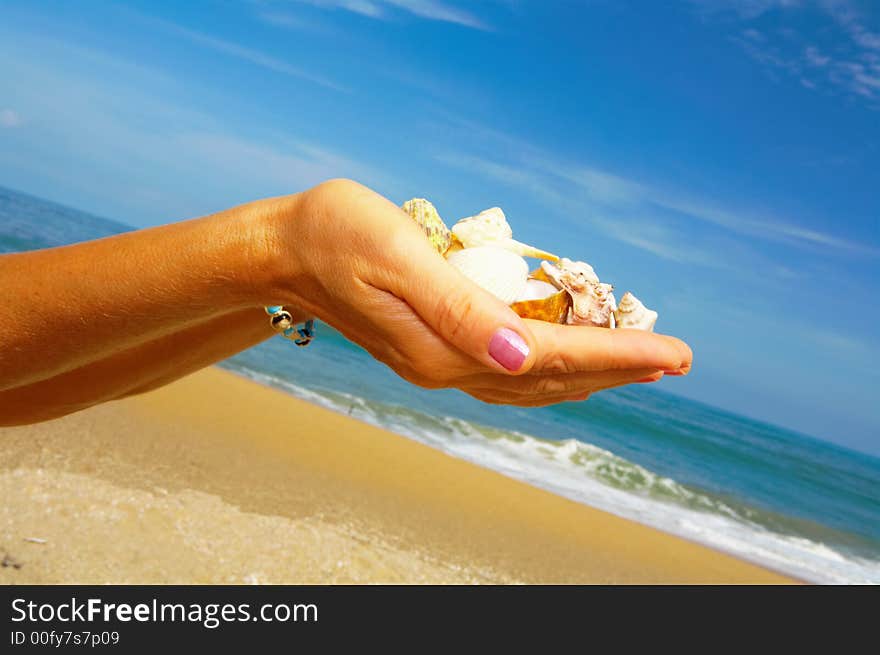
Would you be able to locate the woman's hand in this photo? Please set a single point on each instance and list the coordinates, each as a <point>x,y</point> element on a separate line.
<point>357,262</point>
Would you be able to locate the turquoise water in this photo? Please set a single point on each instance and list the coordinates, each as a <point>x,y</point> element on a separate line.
<point>782,499</point>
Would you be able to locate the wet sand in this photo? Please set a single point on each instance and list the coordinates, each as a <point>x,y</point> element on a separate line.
<point>216,479</point>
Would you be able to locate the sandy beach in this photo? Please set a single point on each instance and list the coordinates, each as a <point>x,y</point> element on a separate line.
<point>215,479</point>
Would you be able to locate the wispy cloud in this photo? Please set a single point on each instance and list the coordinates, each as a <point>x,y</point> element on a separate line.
<point>610,203</point>
<point>847,63</point>
<point>742,9</point>
<point>504,173</point>
<point>765,228</point>
<point>586,197</point>
<point>183,162</point>
<point>287,19</point>
<point>428,9</point>
<point>9,118</point>
<point>243,53</point>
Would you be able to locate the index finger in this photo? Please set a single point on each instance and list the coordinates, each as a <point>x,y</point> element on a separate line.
<point>574,348</point>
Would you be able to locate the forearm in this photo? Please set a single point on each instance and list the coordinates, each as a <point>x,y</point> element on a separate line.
<point>63,308</point>
<point>137,369</point>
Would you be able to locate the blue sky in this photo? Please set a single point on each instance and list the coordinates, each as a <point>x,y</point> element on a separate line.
<point>719,158</point>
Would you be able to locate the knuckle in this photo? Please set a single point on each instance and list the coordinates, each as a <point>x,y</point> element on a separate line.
<point>558,363</point>
<point>454,314</point>
<point>337,185</point>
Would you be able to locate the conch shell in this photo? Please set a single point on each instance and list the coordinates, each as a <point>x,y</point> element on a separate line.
<point>631,313</point>
<point>592,302</point>
<point>543,302</point>
<point>490,228</point>
<point>500,272</point>
<point>425,214</point>
<point>483,249</point>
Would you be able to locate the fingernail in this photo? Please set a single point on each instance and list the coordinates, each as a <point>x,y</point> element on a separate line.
<point>508,349</point>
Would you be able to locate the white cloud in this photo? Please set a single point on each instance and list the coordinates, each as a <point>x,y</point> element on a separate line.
<point>287,20</point>
<point>814,57</point>
<point>9,118</point>
<point>745,9</point>
<point>439,11</point>
<point>768,229</point>
<point>845,65</point>
<point>610,203</point>
<point>428,9</point>
<point>182,162</point>
<point>245,54</point>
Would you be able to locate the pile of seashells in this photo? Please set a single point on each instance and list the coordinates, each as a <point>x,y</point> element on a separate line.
<point>483,249</point>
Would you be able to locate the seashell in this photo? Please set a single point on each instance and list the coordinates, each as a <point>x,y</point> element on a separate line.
<point>490,228</point>
<point>425,214</point>
<point>537,289</point>
<point>580,269</point>
<point>456,245</point>
<point>552,308</point>
<point>631,313</point>
<point>592,302</point>
<point>498,271</point>
<point>539,275</point>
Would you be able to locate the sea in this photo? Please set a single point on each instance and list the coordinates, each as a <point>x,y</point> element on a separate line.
<point>791,502</point>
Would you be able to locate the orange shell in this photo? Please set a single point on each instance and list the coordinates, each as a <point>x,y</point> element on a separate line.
<point>553,308</point>
<point>539,274</point>
<point>454,245</point>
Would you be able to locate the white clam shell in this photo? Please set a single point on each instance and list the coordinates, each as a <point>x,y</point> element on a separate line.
<point>498,271</point>
<point>537,290</point>
<point>631,313</point>
<point>490,227</point>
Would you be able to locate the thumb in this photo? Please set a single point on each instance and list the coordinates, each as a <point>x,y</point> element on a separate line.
<point>470,318</point>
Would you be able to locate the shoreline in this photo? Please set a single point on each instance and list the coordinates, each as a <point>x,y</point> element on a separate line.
<point>218,478</point>
<point>790,577</point>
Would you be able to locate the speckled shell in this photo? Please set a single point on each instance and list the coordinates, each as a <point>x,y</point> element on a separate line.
<point>631,313</point>
<point>490,227</point>
<point>553,309</point>
<point>498,271</point>
<point>592,302</point>
<point>425,214</point>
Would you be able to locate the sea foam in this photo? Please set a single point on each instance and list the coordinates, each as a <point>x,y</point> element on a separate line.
<point>597,477</point>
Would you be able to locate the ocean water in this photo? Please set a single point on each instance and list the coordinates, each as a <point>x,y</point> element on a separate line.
<point>782,499</point>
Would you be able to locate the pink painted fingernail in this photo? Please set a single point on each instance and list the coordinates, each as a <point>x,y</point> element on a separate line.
<point>508,349</point>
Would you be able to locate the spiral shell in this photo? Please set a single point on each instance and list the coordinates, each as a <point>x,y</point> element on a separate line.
<point>426,215</point>
<point>592,302</point>
<point>631,313</point>
<point>498,271</point>
<point>490,228</point>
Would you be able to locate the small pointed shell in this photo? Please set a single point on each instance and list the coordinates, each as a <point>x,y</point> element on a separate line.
<point>631,313</point>
<point>490,227</point>
<point>500,272</point>
<point>425,214</point>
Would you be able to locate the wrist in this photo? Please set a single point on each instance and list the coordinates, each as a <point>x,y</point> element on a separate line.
<point>274,266</point>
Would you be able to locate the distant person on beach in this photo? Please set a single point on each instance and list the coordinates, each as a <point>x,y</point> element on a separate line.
<point>105,319</point>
